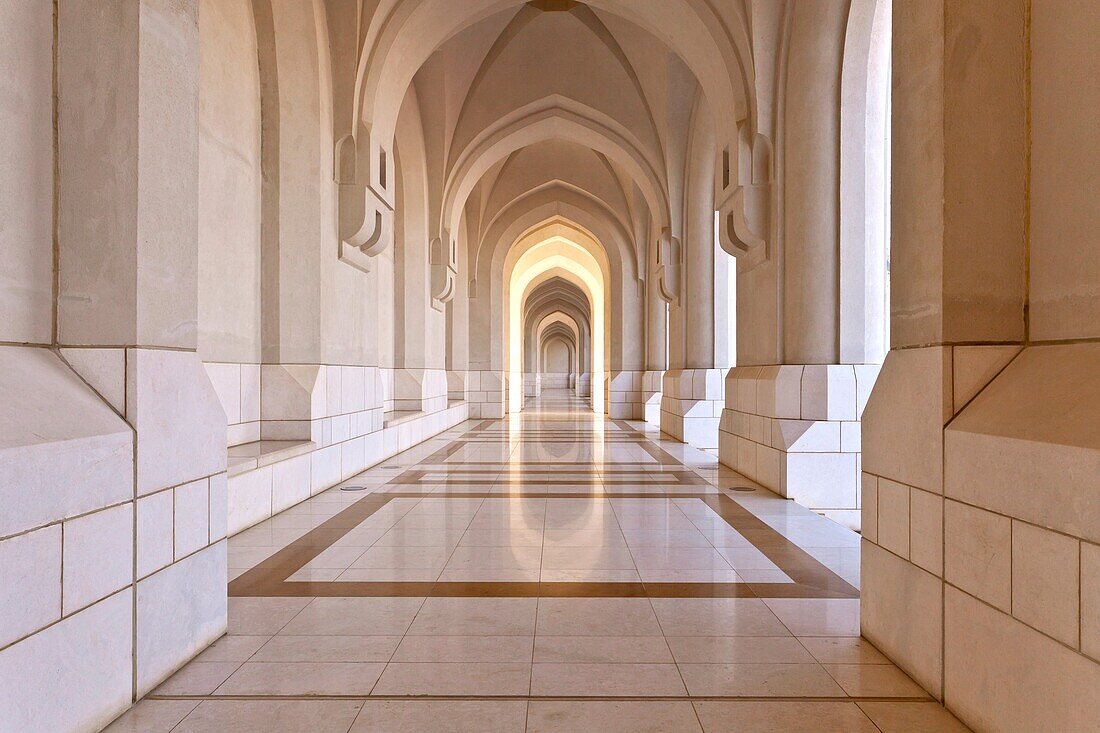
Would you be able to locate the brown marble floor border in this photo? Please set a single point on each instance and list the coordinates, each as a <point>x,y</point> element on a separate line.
<point>811,579</point>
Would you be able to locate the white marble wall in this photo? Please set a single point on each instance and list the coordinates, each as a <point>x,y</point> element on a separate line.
<point>318,425</point>
<point>98,532</point>
<point>485,393</point>
<point>238,390</point>
<point>555,380</point>
<point>634,395</point>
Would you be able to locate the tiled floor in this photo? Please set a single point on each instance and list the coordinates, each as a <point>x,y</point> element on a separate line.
<point>550,572</point>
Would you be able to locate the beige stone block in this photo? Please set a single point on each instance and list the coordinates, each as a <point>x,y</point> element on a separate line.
<point>179,422</point>
<point>866,377</point>
<point>27,172</point>
<point>765,389</point>
<point>219,506</point>
<point>103,369</point>
<point>86,656</point>
<point>974,367</point>
<point>815,392</point>
<point>1002,675</point>
<point>98,556</point>
<point>63,451</point>
<point>747,398</point>
<point>1090,599</point>
<point>904,418</point>
<point>325,468</point>
<point>249,499</point>
<point>334,395</point>
<point>293,391</point>
<point>805,436</point>
<point>842,399</point>
<point>926,530</point>
<point>1046,581</point>
<point>250,392</point>
<point>180,611</point>
<point>155,519</point>
<point>30,582</point>
<point>226,381</point>
<point>894,589</point>
<point>1064,293</point>
<point>978,553</point>
<point>851,437</point>
<point>289,482</point>
<point>893,516</point>
<point>822,480</point>
<point>1029,443</point>
<point>192,517</point>
<point>869,507</point>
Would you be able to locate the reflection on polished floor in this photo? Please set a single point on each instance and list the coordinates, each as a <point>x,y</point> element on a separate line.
<point>548,572</point>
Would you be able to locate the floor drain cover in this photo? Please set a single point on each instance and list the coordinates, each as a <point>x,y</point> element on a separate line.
<point>353,488</point>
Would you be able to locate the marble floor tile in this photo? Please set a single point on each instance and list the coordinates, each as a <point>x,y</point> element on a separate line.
<point>717,617</point>
<point>782,717</point>
<point>327,649</point>
<point>842,650</point>
<point>152,716</point>
<point>597,617</point>
<point>912,717</point>
<point>198,678</point>
<point>731,649</point>
<point>602,649</point>
<point>610,680</point>
<point>302,678</point>
<point>763,680</point>
<point>354,617</point>
<point>817,616</point>
<point>545,716</point>
<point>262,616</point>
<point>271,716</point>
<point>445,716</point>
<point>455,678</point>
<point>475,617</point>
<point>464,649</point>
<point>874,680</point>
<point>232,649</point>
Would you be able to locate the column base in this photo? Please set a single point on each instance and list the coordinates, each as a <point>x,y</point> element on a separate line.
<point>485,393</point>
<point>795,430</point>
<point>691,405</point>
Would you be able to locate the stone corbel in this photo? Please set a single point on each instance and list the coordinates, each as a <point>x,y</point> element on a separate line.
<point>669,266</point>
<point>443,257</point>
<point>745,217</point>
<point>365,216</point>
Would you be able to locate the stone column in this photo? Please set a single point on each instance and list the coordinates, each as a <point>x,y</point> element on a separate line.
<point>691,394</point>
<point>981,551</point>
<point>792,424</point>
<point>127,461</point>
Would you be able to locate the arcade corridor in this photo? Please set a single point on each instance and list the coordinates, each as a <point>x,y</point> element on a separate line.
<point>550,572</point>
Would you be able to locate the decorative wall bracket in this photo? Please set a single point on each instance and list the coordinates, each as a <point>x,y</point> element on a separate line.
<point>744,220</point>
<point>443,257</point>
<point>745,213</point>
<point>364,212</point>
<point>669,267</point>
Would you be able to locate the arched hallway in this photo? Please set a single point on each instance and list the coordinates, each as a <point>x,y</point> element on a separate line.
<point>722,365</point>
<point>546,572</point>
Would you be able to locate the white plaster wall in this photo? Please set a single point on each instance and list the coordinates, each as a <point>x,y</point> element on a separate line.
<point>26,171</point>
<point>557,357</point>
<point>1065,155</point>
<point>229,183</point>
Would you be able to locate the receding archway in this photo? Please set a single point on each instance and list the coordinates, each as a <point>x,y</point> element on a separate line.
<point>556,256</point>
